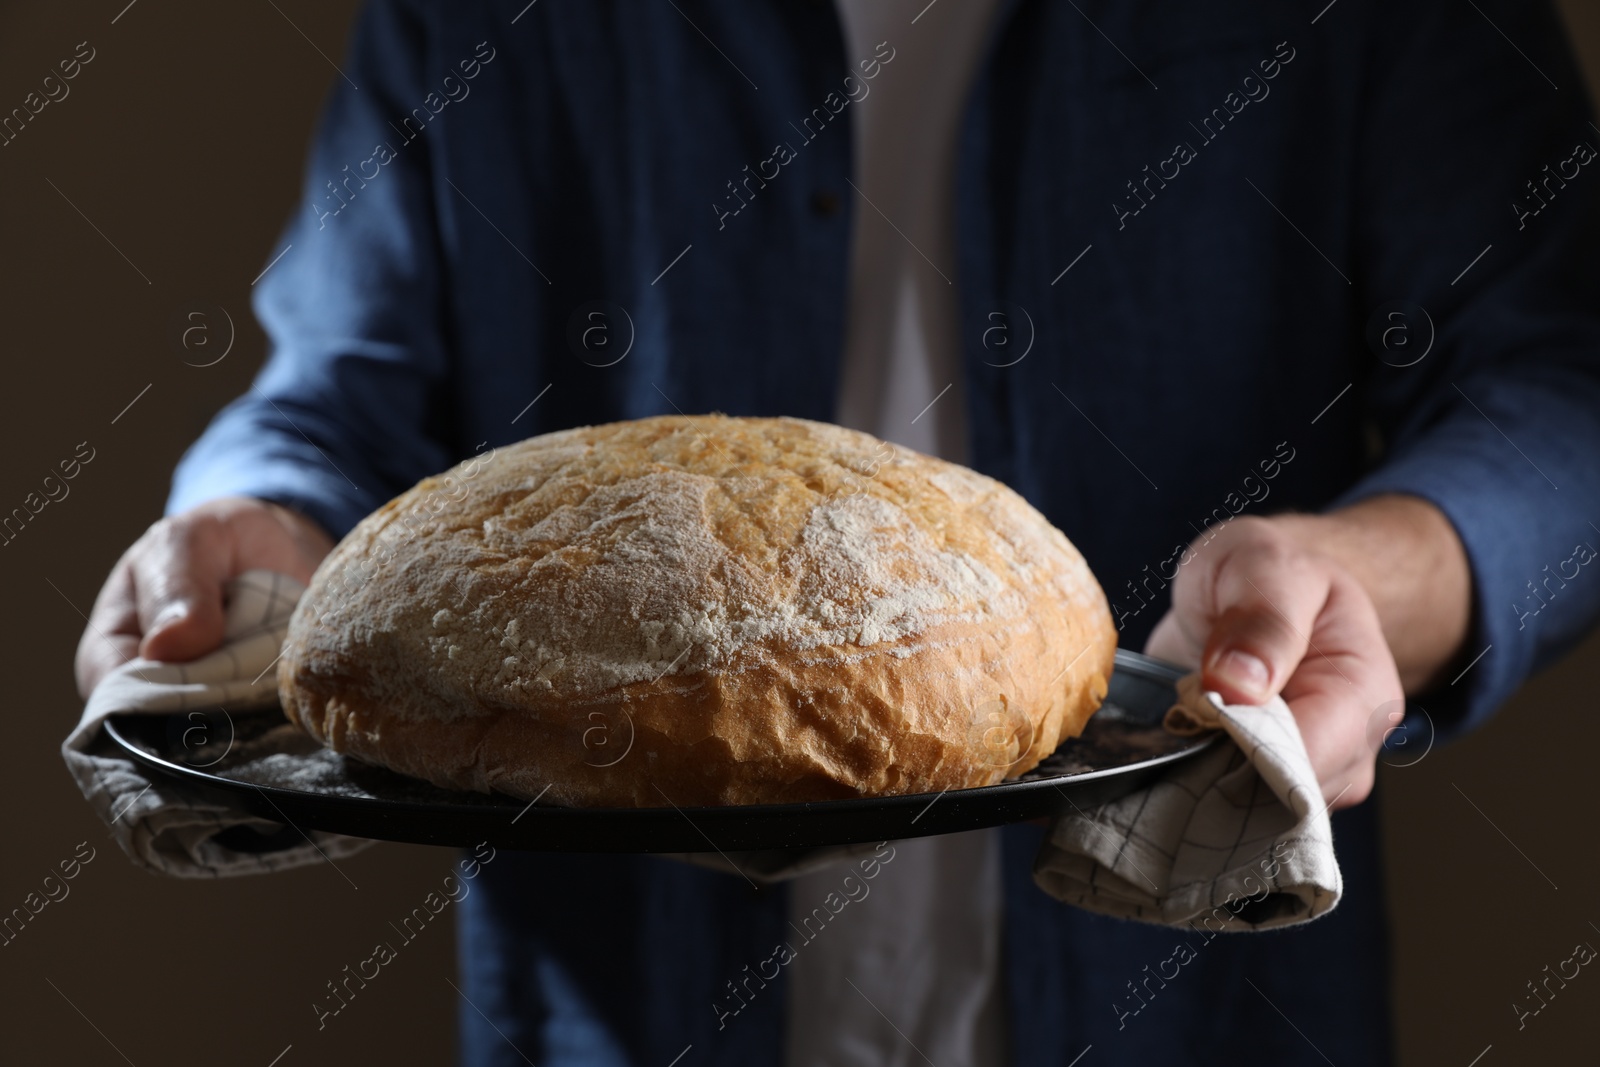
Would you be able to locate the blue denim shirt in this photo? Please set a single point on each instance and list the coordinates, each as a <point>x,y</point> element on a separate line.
<point>1240,257</point>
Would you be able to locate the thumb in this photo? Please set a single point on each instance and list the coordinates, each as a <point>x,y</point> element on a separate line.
<point>178,586</point>
<point>186,621</point>
<point>1258,640</point>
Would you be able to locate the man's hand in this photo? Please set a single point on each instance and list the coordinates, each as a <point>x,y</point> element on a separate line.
<point>163,599</point>
<point>1332,612</point>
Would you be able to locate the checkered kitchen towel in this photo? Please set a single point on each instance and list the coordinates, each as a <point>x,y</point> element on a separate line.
<point>1237,834</point>
<point>161,828</point>
<point>1235,838</point>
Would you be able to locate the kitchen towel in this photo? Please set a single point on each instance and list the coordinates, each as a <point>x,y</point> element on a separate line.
<point>161,827</point>
<point>1235,838</point>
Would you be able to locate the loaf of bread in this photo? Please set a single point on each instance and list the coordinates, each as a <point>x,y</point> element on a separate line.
<point>701,611</point>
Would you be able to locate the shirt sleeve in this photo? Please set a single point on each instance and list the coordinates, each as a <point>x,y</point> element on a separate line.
<point>1478,191</point>
<point>346,411</point>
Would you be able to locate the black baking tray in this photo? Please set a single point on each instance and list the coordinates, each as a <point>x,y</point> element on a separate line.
<point>257,762</point>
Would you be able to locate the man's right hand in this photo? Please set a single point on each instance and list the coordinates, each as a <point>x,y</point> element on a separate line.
<point>163,600</point>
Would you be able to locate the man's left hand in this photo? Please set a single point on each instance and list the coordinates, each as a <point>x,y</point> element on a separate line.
<point>1268,606</point>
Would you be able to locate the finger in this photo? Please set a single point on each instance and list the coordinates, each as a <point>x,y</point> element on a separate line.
<point>111,637</point>
<point>1168,642</point>
<point>1331,720</point>
<point>178,579</point>
<point>1348,674</point>
<point>1268,603</point>
<point>98,656</point>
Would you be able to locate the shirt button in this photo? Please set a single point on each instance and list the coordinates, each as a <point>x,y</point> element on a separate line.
<point>825,204</point>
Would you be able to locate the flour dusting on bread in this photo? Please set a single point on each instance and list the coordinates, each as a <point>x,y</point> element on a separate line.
<point>733,583</point>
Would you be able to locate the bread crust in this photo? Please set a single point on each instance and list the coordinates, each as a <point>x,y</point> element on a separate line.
<point>701,611</point>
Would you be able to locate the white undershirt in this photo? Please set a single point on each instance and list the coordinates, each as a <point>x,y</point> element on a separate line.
<point>909,973</point>
<point>902,344</point>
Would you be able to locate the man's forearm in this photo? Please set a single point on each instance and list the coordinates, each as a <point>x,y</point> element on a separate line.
<point>1407,556</point>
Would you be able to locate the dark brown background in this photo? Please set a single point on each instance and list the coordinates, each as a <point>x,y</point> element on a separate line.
<point>182,141</point>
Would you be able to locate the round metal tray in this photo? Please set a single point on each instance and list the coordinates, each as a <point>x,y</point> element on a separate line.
<point>259,763</point>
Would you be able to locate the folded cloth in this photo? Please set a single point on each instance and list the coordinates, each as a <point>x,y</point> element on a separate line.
<point>1238,833</point>
<point>161,827</point>
<point>1235,838</point>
